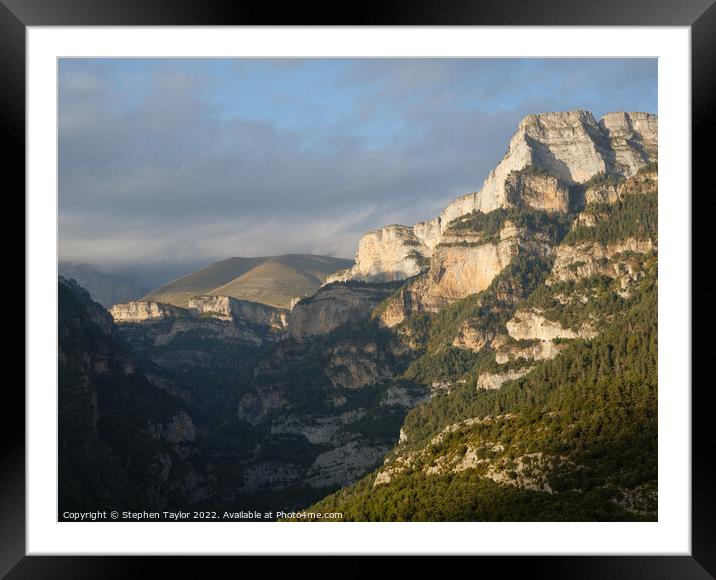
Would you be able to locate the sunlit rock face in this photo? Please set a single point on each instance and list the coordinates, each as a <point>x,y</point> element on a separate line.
<point>390,253</point>
<point>547,155</point>
<point>142,310</point>
<point>465,263</point>
<point>228,308</point>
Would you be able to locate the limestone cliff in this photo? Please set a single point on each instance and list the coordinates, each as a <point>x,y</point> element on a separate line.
<point>391,253</point>
<point>457,269</point>
<point>531,325</point>
<point>352,415</point>
<point>544,256</point>
<point>536,190</point>
<point>210,345</point>
<point>141,310</point>
<point>495,380</point>
<point>464,263</point>
<point>473,335</point>
<point>548,154</point>
<point>586,259</point>
<point>218,307</point>
<point>334,305</point>
<point>535,351</point>
<point>228,308</point>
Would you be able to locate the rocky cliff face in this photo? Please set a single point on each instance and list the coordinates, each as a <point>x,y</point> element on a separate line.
<point>123,434</point>
<point>473,335</point>
<point>406,358</point>
<point>334,305</point>
<point>549,153</point>
<point>218,307</point>
<point>570,146</point>
<point>142,310</point>
<point>391,253</point>
<point>633,138</point>
<point>457,268</point>
<point>210,346</point>
<point>531,325</point>
<point>228,308</point>
<point>161,331</point>
<point>489,380</point>
<point>536,190</point>
<point>574,262</point>
<point>331,401</point>
<point>466,262</point>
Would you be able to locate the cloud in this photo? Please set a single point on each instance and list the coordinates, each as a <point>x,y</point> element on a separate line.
<point>157,165</point>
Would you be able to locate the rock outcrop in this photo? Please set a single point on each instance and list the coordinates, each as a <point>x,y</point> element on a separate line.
<point>607,191</point>
<point>334,305</point>
<point>531,325</point>
<point>573,262</point>
<point>317,430</point>
<point>401,395</point>
<point>496,380</point>
<point>143,310</point>
<point>473,335</point>
<point>536,190</point>
<point>464,263</point>
<point>549,153</point>
<point>353,367</point>
<point>391,253</point>
<point>227,308</point>
<point>344,464</point>
<point>455,272</point>
<point>539,350</point>
<point>254,407</point>
<point>537,338</point>
<point>218,307</point>
<point>488,459</point>
<point>633,138</point>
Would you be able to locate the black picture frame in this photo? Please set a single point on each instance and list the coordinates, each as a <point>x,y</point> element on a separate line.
<point>17,15</point>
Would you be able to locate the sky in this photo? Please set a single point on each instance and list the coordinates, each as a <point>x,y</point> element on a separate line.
<point>177,163</point>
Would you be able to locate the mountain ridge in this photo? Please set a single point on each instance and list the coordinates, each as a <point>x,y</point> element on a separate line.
<point>549,154</point>
<point>475,377</point>
<point>270,280</point>
<point>106,288</point>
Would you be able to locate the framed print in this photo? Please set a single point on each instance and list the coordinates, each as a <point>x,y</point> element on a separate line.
<point>364,289</point>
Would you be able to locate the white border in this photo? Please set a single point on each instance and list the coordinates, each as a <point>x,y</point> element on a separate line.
<point>670,535</point>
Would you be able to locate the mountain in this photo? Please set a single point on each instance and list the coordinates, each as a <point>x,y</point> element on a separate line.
<point>574,439</point>
<point>210,346</point>
<point>549,154</point>
<point>107,289</point>
<point>273,280</point>
<point>125,434</point>
<point>544,384</point>
<point>496,363</point>
<point>500,294</point>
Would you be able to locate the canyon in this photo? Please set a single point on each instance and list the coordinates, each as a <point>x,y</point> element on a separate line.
<point>367,369</point>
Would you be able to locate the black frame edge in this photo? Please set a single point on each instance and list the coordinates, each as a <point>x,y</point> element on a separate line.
<point>699,14</point>
<point>12,441</point>
<point>703,123</point>
<point>387,12</point>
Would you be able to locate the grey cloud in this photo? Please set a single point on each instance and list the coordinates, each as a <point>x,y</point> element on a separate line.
<point>162,178</point>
